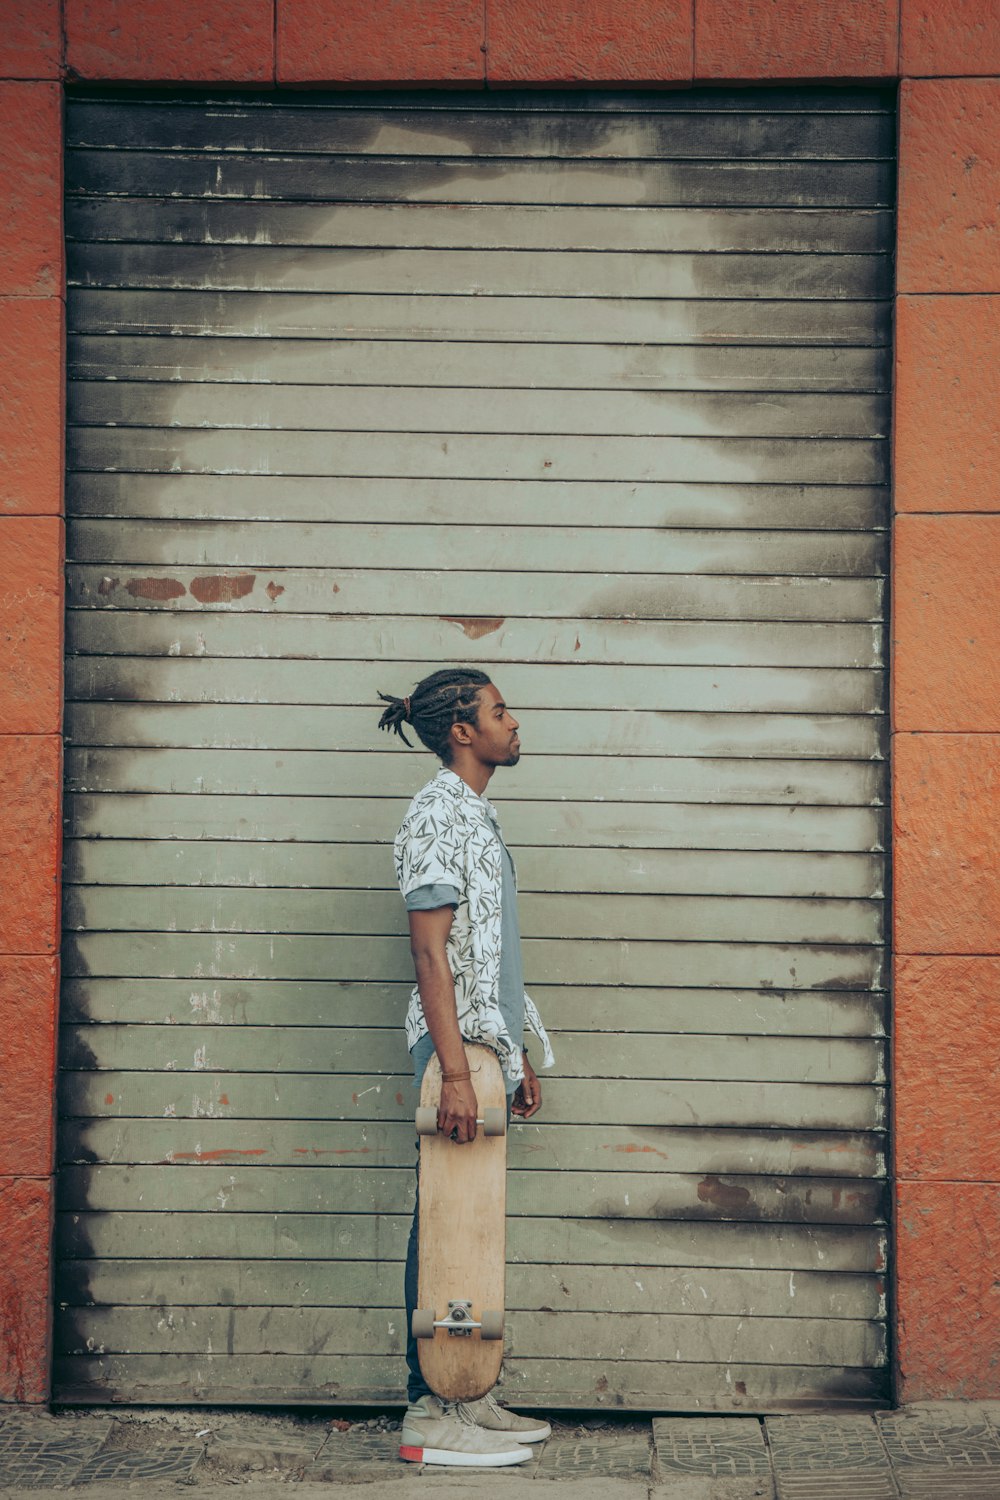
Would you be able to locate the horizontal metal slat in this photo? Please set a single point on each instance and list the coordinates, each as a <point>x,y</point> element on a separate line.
<point>277,362</point>
<point>141,631</point>
<point>632,825</point>
<point>446,455</point>
<point>254,1097</point>
<point>777,99</point>
<point>92,1000</point>
<point>518,550</point>
<point>604,961</point>
<point>252,1331</point>
<point>839,231</point>
<point>547,778</point>
<point>142,908</point>
<point>651,1385</point>
<point>262,497</point>
<point>600,320</point>
<point>526,686</point>
<point>392,409</point>
<point>321,1283</point>
<point>479,273</point>
<point>535,1194</point>
<point>253,1236</point>
<point>582,1054</point>
<point>347,1146</point>
<point>561,133</point>
<point>467,593</point>
<point>826,737</point>
<point>325,178</point>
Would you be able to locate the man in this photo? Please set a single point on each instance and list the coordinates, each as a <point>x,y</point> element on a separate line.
<point>458,882</point>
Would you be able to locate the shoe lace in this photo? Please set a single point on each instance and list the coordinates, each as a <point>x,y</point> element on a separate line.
<point>464,1410</point>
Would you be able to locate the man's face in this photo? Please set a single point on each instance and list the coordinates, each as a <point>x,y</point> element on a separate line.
<point>494,736</point>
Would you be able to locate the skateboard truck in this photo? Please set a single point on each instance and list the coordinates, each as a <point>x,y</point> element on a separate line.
<point>459,1322</point>
<point>493,1121</point>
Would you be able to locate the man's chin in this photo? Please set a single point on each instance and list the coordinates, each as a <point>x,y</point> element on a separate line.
<point>512,760</point>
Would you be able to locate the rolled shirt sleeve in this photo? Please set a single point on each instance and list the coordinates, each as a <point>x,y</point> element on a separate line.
<point>431,897</point>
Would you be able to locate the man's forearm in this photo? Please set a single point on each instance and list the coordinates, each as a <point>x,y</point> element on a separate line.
<point>437,997</point>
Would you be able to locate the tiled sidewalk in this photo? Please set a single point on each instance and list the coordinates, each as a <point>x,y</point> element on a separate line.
<point>940,1452</point>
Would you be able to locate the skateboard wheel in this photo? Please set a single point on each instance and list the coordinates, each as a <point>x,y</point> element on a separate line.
<point>427,1121</point>
<point>494,1120</point>
<point>492,1320</point>
<point>422,1323</point>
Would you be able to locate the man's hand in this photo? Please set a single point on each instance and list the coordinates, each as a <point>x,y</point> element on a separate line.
<point>528,1098</point>
<point>457,1112</point>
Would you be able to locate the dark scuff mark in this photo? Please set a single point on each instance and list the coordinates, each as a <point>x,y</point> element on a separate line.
<point>154,588</point>
<point>727,1195</point>
<point>107,585</point>
<point>274,589</point>
<point>740,1387</point>
<point>475,629</point>
<point>217,589</point>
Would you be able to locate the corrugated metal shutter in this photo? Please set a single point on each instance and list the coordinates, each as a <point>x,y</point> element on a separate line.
<point>590,388</point>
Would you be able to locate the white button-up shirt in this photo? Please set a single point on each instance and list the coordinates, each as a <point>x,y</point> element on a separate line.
<point>447,838</point>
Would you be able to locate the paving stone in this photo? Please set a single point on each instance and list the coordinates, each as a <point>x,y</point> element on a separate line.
<point>820,1443</point>
<point>932,1484</point>
<point>848,1484</point>
<point>719,1446</point>
<point>259,1449</point>
<point>348,1456</point>
<point>620,1454</point>
<point>36,1453</point>
<point>828,1457</point>
<point>951,1440</point>
<point>164,1461</point>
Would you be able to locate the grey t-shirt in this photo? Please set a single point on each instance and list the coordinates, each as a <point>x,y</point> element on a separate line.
<point>511,983</point>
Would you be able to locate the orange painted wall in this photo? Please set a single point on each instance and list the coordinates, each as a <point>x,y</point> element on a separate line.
<point>946,636</point>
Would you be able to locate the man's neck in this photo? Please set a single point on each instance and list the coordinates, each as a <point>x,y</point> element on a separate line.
<point>473,773</point>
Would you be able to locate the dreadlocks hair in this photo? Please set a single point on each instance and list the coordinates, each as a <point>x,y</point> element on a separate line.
<point>437,702</point>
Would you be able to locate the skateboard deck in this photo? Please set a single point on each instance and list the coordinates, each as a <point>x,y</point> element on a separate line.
<point>461,1240</point>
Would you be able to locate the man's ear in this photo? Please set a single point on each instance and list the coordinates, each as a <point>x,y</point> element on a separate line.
<point>460,734</point>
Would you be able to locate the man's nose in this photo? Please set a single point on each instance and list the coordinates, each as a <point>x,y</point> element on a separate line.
<point>513,722</point>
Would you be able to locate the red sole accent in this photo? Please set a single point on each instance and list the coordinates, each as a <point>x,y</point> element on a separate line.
<point>415,1455</point>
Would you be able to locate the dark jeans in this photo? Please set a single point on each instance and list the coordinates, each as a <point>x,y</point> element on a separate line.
<point>416,1385</point>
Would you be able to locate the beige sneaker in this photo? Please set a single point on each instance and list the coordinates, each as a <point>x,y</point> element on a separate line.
<point>433,1433</point>
<point>492,1417</point>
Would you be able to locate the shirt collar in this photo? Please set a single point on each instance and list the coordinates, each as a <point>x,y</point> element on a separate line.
<point>451,779</point>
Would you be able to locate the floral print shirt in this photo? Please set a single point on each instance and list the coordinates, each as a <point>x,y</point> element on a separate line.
<point>447,838</point>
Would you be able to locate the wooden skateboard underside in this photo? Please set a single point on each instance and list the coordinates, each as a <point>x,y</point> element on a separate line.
<point>461,1241</point>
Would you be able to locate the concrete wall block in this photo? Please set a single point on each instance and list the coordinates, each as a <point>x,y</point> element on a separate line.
<point>31,623</point>
<point>948,1293</point>
<point>762,39</point>
<point>949,186</point>
<point>30,845</point>
<point>29,989</point>
<point>947,843</point>
<point>946,623</point>
<point>942,37</point>
<point>185,41</point>
<point>397,41</point>
<point>590,41</point>
<point>31,39</point>
<point>947,1069</point>
<point>31,405</point>
<point>25,1287</point>
<point>31,249</point>
<point>947,432</point>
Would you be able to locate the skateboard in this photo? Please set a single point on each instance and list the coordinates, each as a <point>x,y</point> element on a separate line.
<point>458,1320</point>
